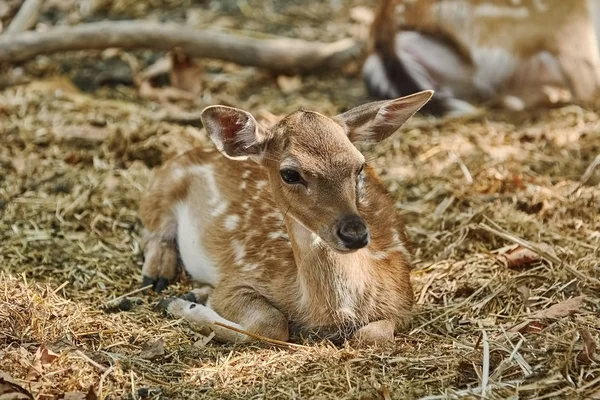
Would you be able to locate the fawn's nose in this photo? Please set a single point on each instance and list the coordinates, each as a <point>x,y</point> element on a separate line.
<point>353,232</point>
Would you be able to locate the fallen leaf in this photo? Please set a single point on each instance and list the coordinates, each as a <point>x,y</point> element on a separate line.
<point>560,310</point>
<point>385,393</point>
<point>90,395</point>
<point>153,350</point>
<point>204,340</point>
<point>11,391</point>
<point>289,84</point>
<point>185,73</point>
<point>588,353</point>
<point>520,257</point>
<point>525,294</point>
<point>42,359</point>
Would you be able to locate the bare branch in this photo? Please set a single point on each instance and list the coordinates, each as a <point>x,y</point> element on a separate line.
<point>283,55</point>
<point>26,17</point>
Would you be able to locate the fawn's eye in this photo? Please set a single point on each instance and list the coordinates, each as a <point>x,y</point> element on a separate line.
<point>290,176</point>
<point>361,169</point>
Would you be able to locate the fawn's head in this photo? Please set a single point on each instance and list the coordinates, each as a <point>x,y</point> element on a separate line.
<point>315,172</point>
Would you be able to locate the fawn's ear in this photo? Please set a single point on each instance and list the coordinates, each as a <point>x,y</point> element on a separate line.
<point>376,121</point>
<point>235,132</point>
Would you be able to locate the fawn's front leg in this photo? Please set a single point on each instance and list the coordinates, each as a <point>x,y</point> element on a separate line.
<point>240,308</point>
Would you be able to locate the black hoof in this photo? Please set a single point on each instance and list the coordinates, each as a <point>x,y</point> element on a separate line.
<point>163,305</point>
<point>161,284</point>
<point>189,296</point>
<point>147,281</point>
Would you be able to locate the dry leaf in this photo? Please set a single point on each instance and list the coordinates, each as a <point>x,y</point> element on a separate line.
<point>42,359</point>
<point>12,391</point>
<point>385,393</point>
<point>185,74</point>
<point>204,340</point>
<point>153,350</point>
<point>520,257</point>
<point>525,294</point>
<point>588,353</point>
<point>560,310</point>
<point>90,395</point>
<point>289,84</point>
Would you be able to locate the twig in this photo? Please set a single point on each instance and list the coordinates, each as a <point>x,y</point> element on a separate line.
<point>278,54</point>
<point>261,338</point>
<point>485,374</point>
<point>503,233</point>
<point>26,18</point>
<point>92,362</point>
<point>101,384</point>
<point>128,294</point>
<point>590,170</point>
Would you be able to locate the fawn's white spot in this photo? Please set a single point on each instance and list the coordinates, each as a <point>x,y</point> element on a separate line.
<point>277,235</point>
<point>260,185</point>
<point>239,251</point>
<point>250,267</point>
<point>231,222</point>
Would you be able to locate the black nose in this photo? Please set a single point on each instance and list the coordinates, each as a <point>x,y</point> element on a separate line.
<point>353,232</point>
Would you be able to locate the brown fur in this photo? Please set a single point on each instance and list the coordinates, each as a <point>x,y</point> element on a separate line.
<point>284,274</point>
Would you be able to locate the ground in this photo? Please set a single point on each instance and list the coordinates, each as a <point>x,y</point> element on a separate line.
<point>475,193</point>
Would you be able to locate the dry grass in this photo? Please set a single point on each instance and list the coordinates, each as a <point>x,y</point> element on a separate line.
<point>468,189</point>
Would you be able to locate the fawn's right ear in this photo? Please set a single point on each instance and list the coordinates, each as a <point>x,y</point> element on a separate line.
<point>235,132</point>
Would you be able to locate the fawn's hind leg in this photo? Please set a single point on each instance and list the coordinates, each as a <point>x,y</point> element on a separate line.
<point>160,262</point>
<point>239,308</point>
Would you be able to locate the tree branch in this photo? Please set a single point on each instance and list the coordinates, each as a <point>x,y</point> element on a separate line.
<point>26,17</point>
<point>283,55</point>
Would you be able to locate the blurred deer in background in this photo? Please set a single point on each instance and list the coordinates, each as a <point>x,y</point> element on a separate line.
<point>287,225</point>
<point>514,53</point>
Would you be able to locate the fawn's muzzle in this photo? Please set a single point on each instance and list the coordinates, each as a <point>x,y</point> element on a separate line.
<point>353,232</point>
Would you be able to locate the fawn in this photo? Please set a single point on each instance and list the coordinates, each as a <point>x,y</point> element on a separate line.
<point>288,226</point>
<point>515,53</point>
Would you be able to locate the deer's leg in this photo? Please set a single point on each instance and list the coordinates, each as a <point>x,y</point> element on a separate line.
<point>376,332</point>
<point>239,308</point>
<point>160,262</point>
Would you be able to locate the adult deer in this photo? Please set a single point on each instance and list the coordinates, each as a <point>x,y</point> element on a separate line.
<point>515,53</point>
<point>288,225</point>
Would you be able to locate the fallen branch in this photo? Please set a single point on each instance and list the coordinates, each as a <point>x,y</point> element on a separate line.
<point>282,55</point>
<point>26,17</point>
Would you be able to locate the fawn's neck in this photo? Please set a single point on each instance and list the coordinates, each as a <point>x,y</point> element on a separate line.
<point>330,284</point>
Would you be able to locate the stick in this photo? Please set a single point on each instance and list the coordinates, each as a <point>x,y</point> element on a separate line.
<point>26,18</point>
<point>282,55</point>
<point>127,294</point>
<point>261,338</point>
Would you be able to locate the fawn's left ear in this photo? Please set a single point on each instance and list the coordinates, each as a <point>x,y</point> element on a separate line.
<point>376,121</point>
